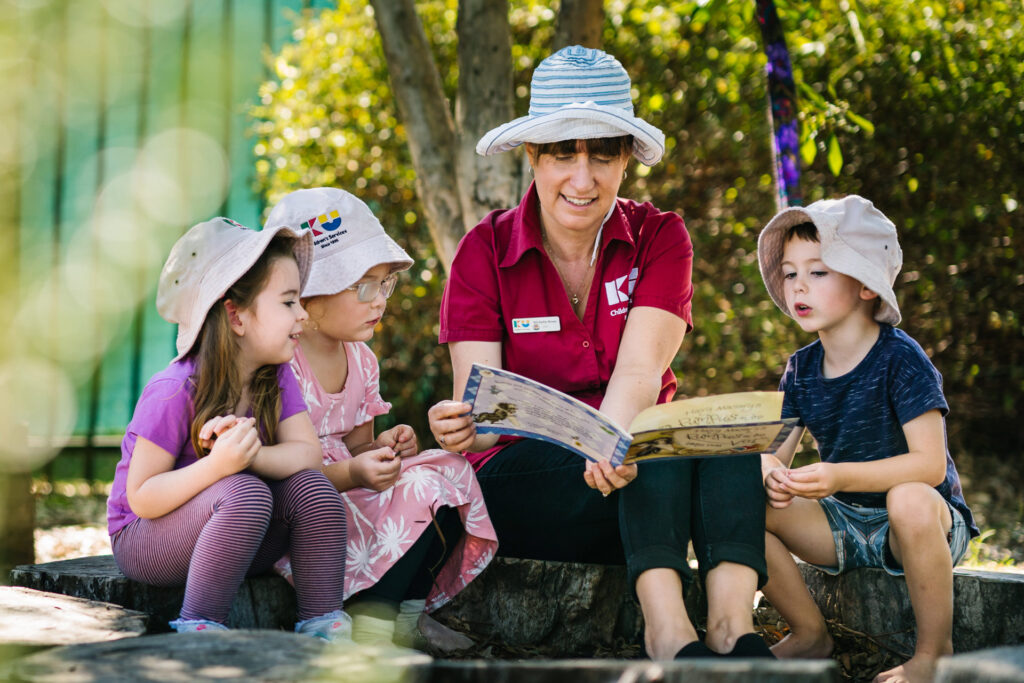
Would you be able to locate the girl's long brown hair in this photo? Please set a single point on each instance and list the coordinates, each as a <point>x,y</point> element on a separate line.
<point>218,388</point>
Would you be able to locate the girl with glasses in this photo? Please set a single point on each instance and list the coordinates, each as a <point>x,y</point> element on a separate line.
<point>418,530</point>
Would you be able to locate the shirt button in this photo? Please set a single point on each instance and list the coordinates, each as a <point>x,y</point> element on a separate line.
<point>586,344</point>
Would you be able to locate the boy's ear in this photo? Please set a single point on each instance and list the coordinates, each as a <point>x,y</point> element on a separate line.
<point>234,320</point>
<point>866,294</point>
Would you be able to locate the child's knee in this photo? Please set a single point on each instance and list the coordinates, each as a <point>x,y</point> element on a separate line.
<point>914,504</point>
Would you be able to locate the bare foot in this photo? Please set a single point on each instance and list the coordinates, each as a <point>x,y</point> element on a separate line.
<point>804,645</point>
<point>917,669</point>
<point>440,637</point>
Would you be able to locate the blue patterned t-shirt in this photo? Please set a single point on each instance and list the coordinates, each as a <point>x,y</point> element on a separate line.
<point>859,416</point>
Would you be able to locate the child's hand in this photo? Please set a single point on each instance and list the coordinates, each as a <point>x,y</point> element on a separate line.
<point>776,487</point>
<point>236,446</point>
<point>216,426</point>
<point>401,439</point>
<point>452,425</point>
<point>376,469</point>
<point>817,480</point>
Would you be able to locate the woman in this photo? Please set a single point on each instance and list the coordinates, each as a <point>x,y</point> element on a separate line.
<point>607,281</point>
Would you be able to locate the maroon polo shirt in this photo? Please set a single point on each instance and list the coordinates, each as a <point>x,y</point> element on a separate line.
<point>503,287</point>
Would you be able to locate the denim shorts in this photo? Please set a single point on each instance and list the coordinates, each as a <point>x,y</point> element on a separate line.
<point>861,536</point>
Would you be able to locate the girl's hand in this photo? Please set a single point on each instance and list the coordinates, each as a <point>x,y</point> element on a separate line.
<point>816,480</point>
<point>237,446</point>
<point>776,486</point>
<point>376,469</point>
<point>216,426</point>
<point>605,478</point>
<point>452,425</point>
<point>400,438</point>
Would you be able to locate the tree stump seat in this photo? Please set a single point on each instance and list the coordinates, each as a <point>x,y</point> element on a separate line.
<point>988,607</point>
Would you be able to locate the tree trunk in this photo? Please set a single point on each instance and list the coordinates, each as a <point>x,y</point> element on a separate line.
<point>428,122</point>
<point>579,23</point>
<point>485,100</point>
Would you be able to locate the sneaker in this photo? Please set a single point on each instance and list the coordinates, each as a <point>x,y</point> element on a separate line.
<point>333,627</point>
<point>190,625</point>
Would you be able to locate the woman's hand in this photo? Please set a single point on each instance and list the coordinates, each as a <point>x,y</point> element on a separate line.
<point>376,469</point>
<point>235,446</point>
<point>400,438</point>
<point>452,425</point>
<point>605,478</point>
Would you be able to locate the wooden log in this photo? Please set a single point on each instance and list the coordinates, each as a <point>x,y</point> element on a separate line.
<point>560,608</point>
<point>988,607</point>
<point>31,618</point>
<point>262,601</point>
<point>605,670</point>
<point>242,655</point>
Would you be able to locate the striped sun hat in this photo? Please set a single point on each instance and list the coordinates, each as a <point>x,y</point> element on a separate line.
<point>578,93</point>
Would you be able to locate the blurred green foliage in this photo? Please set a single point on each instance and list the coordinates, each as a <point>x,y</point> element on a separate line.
<point>913,104</point>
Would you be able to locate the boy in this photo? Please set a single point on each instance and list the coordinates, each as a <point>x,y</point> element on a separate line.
<point>886,493</point>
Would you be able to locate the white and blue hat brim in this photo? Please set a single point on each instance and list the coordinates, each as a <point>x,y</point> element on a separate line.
<point>577,121</point>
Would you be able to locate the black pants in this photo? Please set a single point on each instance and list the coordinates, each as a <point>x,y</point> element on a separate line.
<point>541,508</point>
<point>412,576</point>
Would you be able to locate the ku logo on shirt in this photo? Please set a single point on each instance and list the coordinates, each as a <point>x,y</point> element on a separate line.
<point>613,288</point>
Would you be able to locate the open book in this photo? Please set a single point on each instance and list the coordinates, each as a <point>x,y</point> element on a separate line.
<point>729,424</point>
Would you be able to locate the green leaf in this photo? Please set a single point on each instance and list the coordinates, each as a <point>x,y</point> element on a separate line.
<point>835,155</point>
<point>808,150</point>
<point>865,125</point>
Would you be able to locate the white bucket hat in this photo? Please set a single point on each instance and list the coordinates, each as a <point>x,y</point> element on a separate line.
<point>856,240</point>
<point>348,239</point>
<point>203,265</point>
<point>578,93</point>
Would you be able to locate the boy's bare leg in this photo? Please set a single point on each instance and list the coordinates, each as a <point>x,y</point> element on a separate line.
<point>801,529</point>
<point>919,520</point>
<point>667,627</point>
<point>730,590</point>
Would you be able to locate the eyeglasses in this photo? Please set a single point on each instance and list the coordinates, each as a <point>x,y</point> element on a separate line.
<point>367,291</point>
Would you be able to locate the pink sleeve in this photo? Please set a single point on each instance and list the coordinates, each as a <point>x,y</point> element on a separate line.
<point>470,305</point>
<point>372,404</point>
<point>666,267</point>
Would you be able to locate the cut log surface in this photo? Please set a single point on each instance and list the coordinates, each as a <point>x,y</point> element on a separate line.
<point>995,665</point>
<point>262,601</point>
<point>241,655</point>
<point>34,618</point>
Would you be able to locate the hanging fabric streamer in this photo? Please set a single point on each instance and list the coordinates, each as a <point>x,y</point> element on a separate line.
<point>782,95</point>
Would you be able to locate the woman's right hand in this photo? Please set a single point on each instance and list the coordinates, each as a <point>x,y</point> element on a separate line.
<point>452,425</point>
<point>235,441</point>
<point>377,469</point>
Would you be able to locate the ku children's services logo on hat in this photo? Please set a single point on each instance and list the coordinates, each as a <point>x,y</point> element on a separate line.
<point>327,222</point>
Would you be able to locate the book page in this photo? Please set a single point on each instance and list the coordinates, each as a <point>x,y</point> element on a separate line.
<point>744,407</point>
<point>506,403</point>
<point>705,441</point>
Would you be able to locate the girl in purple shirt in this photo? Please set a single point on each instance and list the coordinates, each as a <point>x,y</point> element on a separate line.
<point>219,465</point>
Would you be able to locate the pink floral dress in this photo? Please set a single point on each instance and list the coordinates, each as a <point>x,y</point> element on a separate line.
<point>383,525</point>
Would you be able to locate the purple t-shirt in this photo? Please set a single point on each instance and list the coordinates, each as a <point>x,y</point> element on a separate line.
<point>163,415</point>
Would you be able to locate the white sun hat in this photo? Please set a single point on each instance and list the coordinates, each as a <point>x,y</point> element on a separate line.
<point>348,240</point>
<point>203,265</point>
<point>856,240</point>
<point>578,93</point>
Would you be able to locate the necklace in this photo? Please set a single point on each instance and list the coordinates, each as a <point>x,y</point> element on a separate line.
<point>580,290</point>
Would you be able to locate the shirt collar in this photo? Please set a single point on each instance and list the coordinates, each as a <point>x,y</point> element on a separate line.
<point>526,229</point>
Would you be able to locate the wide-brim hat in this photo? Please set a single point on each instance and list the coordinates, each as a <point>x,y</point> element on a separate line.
<point>203,265</point>
<point>856,239</point>
<point>578,93</point>
<point>348,240</point>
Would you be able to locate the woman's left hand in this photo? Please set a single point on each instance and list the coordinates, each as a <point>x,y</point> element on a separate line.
<point>605,478</point>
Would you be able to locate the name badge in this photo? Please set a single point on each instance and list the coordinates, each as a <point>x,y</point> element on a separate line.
<point>546,324</point>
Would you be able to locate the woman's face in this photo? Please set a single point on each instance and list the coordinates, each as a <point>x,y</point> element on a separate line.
<point>576,189</point>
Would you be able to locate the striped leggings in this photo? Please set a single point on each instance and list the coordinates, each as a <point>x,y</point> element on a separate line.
<point>239,527</point>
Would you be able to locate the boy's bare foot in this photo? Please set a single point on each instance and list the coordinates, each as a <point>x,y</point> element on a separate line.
<point>804,645</point>
<point>917,669</point>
